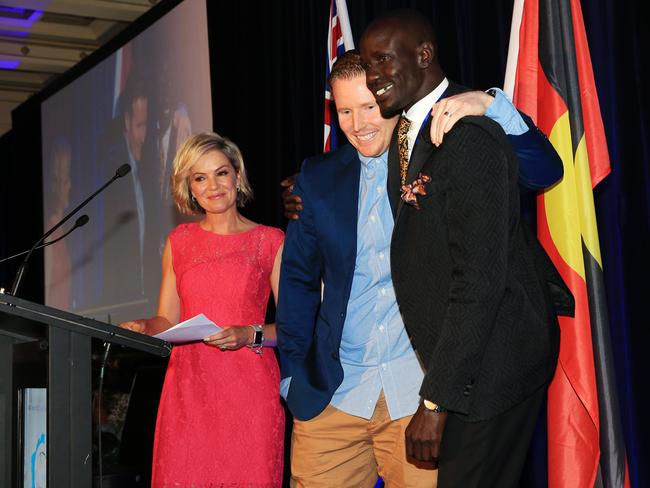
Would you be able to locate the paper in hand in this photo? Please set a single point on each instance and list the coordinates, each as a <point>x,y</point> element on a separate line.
<point>195,329</point>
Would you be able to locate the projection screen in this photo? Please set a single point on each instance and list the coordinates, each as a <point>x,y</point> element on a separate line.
<point>134,107</point>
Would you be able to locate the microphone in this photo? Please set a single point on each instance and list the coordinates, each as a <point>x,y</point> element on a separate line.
<point>80,222</point>
<point>121,171</point>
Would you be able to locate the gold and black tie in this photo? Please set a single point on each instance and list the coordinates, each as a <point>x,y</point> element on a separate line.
<point>403,145</point>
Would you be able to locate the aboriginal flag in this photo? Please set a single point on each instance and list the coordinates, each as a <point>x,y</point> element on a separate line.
<point>549,71</point>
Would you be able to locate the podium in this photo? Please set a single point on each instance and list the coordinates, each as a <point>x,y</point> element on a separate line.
<point>50,348</point>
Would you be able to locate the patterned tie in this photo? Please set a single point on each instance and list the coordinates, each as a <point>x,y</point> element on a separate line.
<point>403,145</point>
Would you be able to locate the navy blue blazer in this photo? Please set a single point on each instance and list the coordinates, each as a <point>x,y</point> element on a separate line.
<point>321,245</point>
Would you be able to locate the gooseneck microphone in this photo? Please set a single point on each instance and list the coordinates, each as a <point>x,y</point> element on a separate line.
<point>80,222</point>
<point>121,171</point>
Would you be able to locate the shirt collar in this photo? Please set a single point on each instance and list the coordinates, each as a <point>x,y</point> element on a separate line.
<point>132,161</point>
<point>418,112</point>
<point>365,160</point>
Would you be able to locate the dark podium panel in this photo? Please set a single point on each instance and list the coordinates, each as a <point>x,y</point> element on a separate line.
<point>43,347</point>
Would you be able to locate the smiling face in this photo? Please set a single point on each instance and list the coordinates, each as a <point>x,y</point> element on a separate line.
<point>396,64</point>
<point>360,118</point>
<point>213,182</point>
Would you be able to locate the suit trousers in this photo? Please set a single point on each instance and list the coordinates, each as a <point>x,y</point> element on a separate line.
<point>337,450</point>
<point>490,453</point>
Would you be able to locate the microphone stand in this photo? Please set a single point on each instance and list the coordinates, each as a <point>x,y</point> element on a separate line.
<point>81,221</point>
<point>121,171</point>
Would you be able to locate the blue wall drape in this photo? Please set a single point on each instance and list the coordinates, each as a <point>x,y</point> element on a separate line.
<point>619,40</point>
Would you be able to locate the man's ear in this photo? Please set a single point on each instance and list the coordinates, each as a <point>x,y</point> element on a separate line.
<point>425,53</point>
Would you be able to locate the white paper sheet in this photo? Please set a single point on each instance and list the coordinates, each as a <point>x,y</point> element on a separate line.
<point>195,329</point>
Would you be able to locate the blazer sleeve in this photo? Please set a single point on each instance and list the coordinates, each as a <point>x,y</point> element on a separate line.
<point>300,285</point>
<point>478,187</point>
<point>540,165</point>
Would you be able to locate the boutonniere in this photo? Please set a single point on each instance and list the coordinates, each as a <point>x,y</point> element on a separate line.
<point>411,191</point>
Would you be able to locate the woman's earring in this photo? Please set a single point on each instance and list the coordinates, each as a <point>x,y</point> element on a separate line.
<point>193,198</point>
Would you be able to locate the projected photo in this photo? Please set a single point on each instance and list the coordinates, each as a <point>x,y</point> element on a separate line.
<point>135,107</point>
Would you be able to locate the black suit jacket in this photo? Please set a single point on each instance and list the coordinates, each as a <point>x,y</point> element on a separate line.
<point>539,164</point>
<point>467,282</point>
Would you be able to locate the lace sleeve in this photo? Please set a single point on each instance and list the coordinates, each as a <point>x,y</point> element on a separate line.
<point>271,240</point>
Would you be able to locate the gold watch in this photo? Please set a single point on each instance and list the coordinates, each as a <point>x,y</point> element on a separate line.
<point>433,407</point>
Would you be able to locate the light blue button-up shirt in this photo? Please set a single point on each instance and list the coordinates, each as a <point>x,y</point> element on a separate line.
<point>504,113</point>
<point>375,353</point>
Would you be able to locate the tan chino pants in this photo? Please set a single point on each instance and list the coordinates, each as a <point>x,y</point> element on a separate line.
<point>337,450</point>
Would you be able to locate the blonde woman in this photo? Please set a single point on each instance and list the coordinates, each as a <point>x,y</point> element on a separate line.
<point>220,422</point>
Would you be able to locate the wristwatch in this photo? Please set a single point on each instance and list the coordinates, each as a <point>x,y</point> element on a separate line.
<point>258,338</point>
<point>433,407</point>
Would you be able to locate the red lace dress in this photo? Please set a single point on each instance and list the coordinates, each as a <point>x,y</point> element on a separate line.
<point>220,422</point>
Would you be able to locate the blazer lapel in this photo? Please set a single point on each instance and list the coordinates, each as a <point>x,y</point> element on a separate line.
<point>393,182</point>
<point>345,203</point>
<point>423,146</point>
<point>422,152</point>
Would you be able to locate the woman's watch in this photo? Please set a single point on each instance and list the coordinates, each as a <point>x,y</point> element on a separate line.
<point>258,338</point>
<point>433,407</point>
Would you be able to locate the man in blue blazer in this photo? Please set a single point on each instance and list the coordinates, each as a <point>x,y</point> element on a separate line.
<point>350,375</point>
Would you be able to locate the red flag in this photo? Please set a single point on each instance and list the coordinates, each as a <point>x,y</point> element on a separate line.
<point>339,40</point>
<point>549,67</point>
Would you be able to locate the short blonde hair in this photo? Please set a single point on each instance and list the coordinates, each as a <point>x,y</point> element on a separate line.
<point>347,67</point>
<point>189,153</point>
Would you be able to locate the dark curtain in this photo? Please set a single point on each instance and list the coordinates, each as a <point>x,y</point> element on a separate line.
<point>21,215</point>
<point>268,69</point>
<point>619,41</point>
<point>267,64</point>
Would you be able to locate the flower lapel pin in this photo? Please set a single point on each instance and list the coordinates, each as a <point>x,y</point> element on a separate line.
<point>411,191</point>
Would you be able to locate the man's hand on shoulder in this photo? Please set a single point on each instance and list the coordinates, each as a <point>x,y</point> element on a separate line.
<point>292,203</point>
<point>450,110</point>
<point>424,435</point>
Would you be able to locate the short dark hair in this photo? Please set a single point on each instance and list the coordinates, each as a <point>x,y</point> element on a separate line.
<point>410,19</point>
<point>134,88</point>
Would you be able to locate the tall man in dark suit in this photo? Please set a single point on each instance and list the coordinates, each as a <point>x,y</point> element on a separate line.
<point>464,276</point>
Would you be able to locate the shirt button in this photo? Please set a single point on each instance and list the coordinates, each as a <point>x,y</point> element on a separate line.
<point>381,327</point>
<point>382,291</point>
<point>379,189</point>
<point>383,366</point>
<point>372,218</point>
<point>381,255</point>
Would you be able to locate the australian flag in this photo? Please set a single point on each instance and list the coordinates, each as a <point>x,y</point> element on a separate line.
<point>339,40</point>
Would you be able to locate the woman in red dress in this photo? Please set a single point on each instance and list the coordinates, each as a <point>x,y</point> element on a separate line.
<point>220,422</point>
